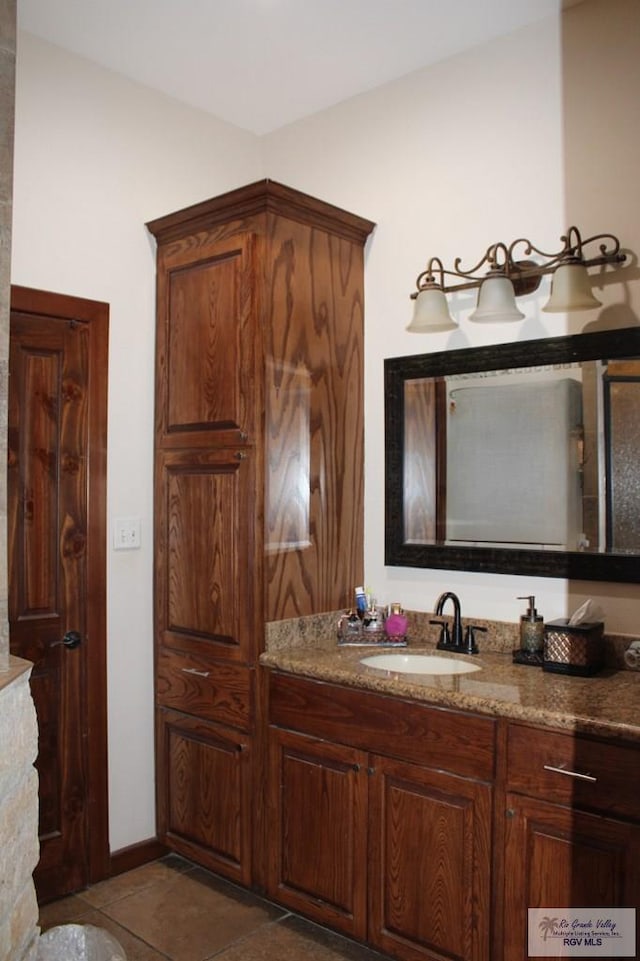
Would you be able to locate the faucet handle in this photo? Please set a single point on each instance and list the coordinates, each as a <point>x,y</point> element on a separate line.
<point>470,638</point>
<point>445,634</point>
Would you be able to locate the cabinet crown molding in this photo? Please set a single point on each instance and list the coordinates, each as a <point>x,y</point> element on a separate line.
<point>263,196</point>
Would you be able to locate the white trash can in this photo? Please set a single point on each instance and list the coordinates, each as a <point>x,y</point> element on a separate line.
<point>78,942</point>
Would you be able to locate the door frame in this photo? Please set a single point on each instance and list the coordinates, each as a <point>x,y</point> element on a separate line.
<point>95,316</point>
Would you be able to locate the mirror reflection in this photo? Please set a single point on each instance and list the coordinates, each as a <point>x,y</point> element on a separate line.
<point>517,455</point>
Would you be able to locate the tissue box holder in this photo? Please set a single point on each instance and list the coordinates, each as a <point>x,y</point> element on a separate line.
<point>577,650</point>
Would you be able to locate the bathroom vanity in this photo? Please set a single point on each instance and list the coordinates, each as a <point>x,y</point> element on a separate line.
<point>425,815</point>
<point>382,817</point>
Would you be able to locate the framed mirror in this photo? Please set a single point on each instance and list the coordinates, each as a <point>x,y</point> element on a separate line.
<point>519,458</point>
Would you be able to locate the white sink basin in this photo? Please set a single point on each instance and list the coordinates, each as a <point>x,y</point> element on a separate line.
<point>419,664</point>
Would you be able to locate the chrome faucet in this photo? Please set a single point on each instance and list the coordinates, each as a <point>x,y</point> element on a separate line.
<point>456,641</point>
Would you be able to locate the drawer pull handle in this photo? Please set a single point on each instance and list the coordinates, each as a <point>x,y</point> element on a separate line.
<point>576,774</point>
<point>193,670</point>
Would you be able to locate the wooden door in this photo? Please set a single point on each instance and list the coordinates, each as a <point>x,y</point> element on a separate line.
<point>56,544</point>
<point>318,809</point>
<point>430,863</point>
<point>559,857</point>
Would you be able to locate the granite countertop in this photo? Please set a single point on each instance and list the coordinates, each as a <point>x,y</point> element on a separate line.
<point>607,704</point>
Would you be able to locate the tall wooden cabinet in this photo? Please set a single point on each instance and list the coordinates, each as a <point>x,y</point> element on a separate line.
<point>258,484</point>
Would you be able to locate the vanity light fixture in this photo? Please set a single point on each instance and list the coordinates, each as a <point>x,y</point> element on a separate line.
<point>509,277</point>
<point>431,311</point>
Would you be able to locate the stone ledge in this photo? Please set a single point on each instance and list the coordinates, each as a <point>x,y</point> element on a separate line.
<point>19,929</point>
<point>17,666</point>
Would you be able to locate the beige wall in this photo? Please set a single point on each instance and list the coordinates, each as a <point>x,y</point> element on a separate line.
<point>601,112</point>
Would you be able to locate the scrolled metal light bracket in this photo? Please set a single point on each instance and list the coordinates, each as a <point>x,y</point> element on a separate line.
<point>513,261</point>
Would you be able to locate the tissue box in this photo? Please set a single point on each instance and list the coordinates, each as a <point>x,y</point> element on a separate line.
<point>573,650</point>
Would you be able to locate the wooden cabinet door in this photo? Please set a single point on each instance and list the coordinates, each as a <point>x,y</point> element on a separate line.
<point>204,793</point>
<point>429,878</point>
<point>208,564</point>
<point>559,857</point>
<point>318,810</point>
<point>209,352</point>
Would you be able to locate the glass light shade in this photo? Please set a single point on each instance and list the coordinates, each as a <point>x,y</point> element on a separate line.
<point>571,290</point>
<point>431,312</point>
<point>496,302</point>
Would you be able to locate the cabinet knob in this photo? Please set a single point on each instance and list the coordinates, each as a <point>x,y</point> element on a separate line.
<point>241,455</point>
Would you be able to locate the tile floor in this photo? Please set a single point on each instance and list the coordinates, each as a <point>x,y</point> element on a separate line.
<point>172,910</point>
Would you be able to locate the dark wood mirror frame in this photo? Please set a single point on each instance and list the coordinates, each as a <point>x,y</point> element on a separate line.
<point>578,565</point>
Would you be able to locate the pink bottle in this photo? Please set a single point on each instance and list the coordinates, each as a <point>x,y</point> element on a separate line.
<point>396,623</point>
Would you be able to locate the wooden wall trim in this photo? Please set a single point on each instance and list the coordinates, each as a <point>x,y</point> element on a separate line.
<point>135,855</point>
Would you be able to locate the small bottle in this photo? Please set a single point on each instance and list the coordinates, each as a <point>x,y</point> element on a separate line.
<point>395,624</point>
<point>361,602</point>
<point>349,627</point>
<point>370,620</point>
<point>531,628</point>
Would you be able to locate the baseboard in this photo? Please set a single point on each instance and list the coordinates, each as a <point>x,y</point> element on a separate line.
<point>134,856</point>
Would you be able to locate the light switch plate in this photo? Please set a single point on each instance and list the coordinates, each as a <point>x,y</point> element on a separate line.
<point>126,533</point>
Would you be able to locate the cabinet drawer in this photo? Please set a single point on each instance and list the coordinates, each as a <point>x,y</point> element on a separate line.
<point>436,737</point>
<point>213,690</point>
<point>574,770</point>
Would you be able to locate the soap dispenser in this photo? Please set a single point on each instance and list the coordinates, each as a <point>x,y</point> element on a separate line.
<point>531,628</point>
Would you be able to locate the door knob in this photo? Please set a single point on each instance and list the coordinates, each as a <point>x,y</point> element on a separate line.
<point>71,640</point>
